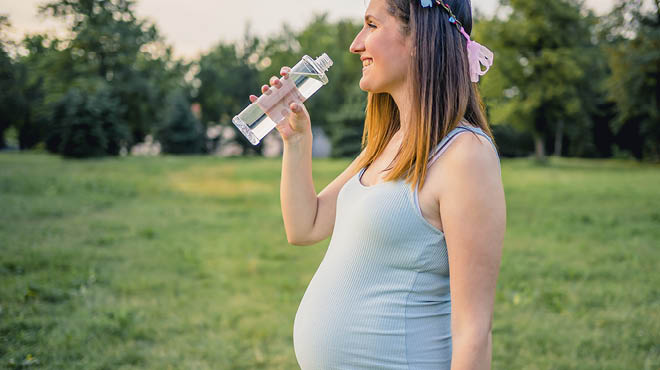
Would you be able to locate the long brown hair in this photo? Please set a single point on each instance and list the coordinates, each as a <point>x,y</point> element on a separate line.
<point>441,89</point>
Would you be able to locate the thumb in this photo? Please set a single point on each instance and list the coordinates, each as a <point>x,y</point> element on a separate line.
<point>299,116</point>
<point>298,111</point>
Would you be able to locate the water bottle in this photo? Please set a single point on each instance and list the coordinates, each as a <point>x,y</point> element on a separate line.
<point>305,78</point>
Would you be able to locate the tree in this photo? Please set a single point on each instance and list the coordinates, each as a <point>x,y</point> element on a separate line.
<point>317,37</point>
<point>109,43</point>
<point>87,125</point>
<point>10,98</point>
<point>45,73</point>
<point>632,41</point>
<point>542,78</point>
<point>227,75</point>
<point>346,126</point>
<point>181,132</point>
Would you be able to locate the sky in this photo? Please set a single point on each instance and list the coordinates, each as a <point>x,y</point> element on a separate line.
<point>198,25</point>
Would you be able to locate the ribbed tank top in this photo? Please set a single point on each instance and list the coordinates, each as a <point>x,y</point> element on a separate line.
<point>380,297</point>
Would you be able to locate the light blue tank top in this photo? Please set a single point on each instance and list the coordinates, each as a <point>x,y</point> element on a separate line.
<point>380,297</point>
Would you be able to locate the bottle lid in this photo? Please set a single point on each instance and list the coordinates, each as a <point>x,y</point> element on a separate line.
<point>324,62</point>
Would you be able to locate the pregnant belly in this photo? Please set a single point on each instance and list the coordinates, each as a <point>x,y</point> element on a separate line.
<point>345,326</point>
<point>348,330</point>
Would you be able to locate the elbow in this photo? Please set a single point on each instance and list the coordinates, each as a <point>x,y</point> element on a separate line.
<point>301,238</point>
<point>474,335</point>
<point>297,241</point>
<point>294,242</point>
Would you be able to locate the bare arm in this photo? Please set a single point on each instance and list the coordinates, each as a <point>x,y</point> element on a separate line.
<point>308,218</point>
<point>473,213</point>
<point>297,195</point>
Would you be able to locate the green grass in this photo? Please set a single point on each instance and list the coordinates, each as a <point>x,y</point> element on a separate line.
<point>183,263</point>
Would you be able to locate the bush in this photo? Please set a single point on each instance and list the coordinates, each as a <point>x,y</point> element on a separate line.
<point>511,142</point>
<point>87,125</point>
<point>181,132</point>
<point>346,126</point>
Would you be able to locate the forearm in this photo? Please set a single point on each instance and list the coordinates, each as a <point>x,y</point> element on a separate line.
<point>297,194</point>
<point>472,352</point>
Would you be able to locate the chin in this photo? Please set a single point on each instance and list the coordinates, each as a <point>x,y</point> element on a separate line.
<point>365,86</point>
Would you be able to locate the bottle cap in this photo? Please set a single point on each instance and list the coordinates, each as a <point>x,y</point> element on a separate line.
<point>324,62</point>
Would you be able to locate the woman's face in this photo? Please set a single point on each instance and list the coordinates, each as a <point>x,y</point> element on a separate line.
<point>384,51</point>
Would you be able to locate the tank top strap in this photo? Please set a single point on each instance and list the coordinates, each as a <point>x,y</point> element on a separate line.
<point>444,143</point>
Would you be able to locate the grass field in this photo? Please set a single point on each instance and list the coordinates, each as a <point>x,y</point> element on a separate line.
<point>183,263</point>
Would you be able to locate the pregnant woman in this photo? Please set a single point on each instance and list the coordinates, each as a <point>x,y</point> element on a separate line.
<point>417,220</point>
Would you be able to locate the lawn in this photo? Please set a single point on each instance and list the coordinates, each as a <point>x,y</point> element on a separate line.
<point>183,263</point>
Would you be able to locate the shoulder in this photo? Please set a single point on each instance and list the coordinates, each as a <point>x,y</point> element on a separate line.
<point>470,148</point>
<point>470,162</point>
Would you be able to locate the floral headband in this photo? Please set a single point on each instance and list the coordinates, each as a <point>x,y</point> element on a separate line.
<point>477,53</point>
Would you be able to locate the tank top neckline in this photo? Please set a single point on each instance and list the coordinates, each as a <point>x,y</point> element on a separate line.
<point>413,195</point>
<point>363,169</point>
<point>359,180</point>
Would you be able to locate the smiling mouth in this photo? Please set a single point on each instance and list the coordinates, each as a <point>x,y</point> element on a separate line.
<point>367,62</point>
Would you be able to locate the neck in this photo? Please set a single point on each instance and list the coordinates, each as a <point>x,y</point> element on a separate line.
<point>402,99</point>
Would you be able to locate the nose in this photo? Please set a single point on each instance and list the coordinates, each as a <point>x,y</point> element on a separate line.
<point>357,46</point>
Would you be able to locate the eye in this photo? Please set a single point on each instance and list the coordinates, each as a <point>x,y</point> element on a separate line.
<point>371,25</point>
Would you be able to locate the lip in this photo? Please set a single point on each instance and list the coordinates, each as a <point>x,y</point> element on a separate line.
<point>362,59</point>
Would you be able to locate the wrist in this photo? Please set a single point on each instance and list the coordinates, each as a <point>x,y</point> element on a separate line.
<point>299,140</point>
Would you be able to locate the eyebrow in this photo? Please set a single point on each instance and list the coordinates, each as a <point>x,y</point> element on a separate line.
<point>366,17</point>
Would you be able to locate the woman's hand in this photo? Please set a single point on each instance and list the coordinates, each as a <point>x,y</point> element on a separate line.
<point>297,125</point>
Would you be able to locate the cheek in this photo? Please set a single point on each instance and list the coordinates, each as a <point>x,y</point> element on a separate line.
<point>386,50</point>
<point>378,49</point>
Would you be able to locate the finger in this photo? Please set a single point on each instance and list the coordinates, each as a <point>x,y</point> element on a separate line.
<point>274,80</point>
<point>253,98</point>
<point>281,128</point>
<point>284,71</point>
<point>295,107</point>
<point>265,89</point>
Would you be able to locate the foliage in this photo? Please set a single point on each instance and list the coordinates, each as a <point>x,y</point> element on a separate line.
<point>346,126</point>
<point>226,79</point>
<point>631,37</point>
<point>181,132</point>
<point>319,36</point>
<point>512,142</point>
<point>581,86</point>
<point>546,74</point>
<point>10,99</point>
<point>46,73</point>
<point>110,43</point>
<point>87,125</point>
<point>227,75</point>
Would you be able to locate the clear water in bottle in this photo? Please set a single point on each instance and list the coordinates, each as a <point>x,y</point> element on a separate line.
<point>308,76</point>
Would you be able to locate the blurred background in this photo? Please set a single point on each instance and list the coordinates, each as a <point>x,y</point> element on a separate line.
<point>118,251</point>
<point>572,78</point>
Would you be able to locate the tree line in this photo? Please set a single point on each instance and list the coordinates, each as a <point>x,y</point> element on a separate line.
<point>564,82</point>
